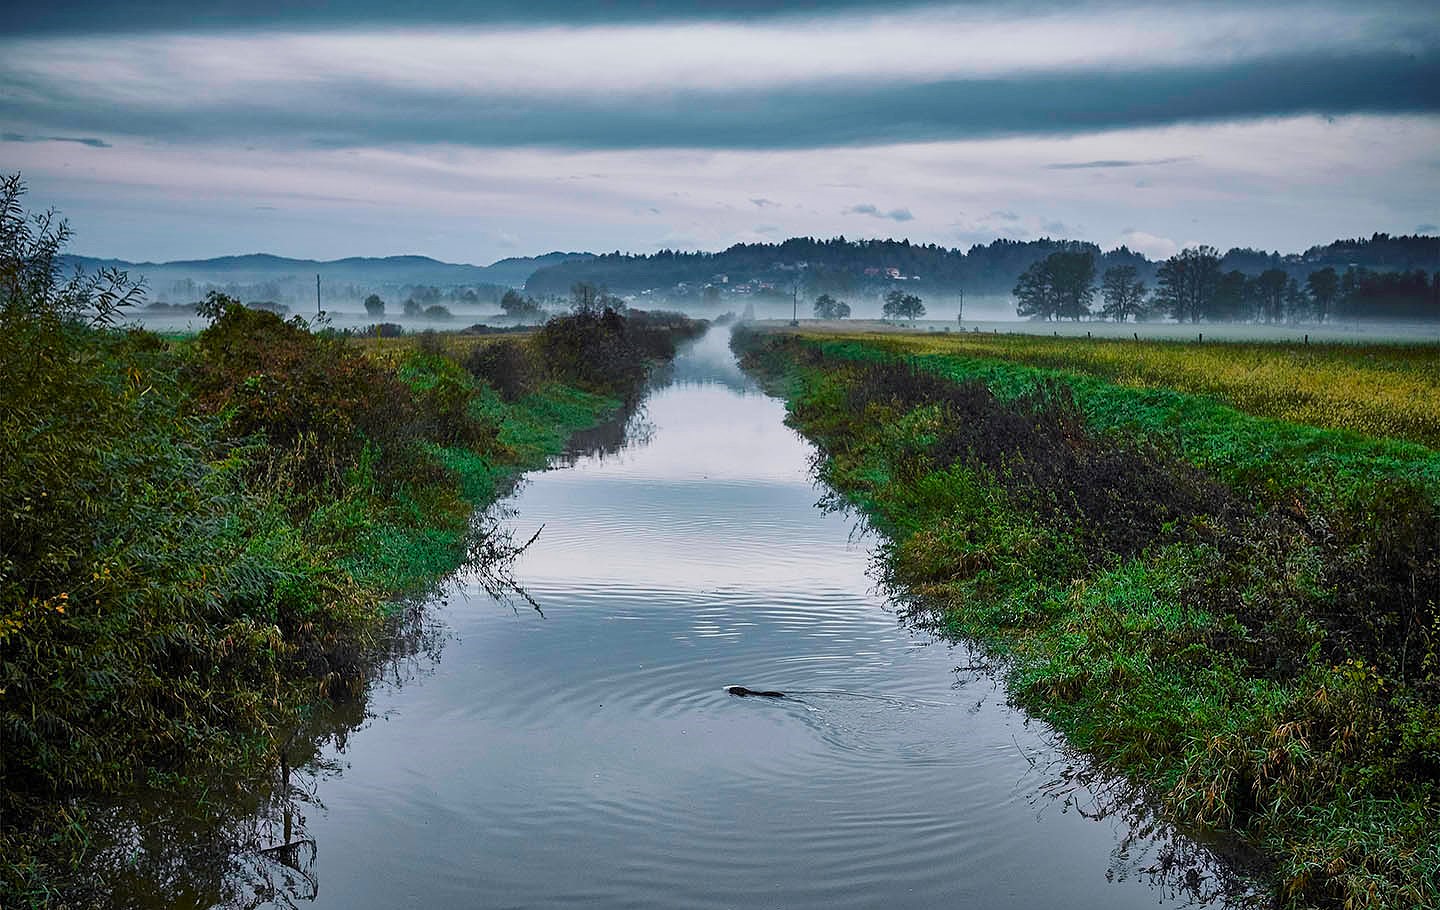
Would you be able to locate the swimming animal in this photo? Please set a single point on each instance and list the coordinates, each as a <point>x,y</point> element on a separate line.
<point>744,692</point>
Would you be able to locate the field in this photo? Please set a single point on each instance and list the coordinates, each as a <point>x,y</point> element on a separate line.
<point>1215,568</point>
<point>1378,389</point>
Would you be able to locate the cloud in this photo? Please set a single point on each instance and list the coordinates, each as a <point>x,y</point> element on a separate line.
<point>1151,245</point>
<point>1115,162</point>
<point>762,202</point>
<point>80,140</point>
<point>379,112</point>
<point>872,211</point>
<point>86,16</point>
<point>1267,184</point>
<point>858,77</point>
<point>653,59</point>
<point>1427,228</point>
<point>1004,223</point>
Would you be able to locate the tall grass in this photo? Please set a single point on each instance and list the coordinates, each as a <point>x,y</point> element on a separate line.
<point>1386,390</point>
<point>1238,613</point>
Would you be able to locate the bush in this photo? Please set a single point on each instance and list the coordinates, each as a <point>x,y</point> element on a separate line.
<point>317,404</point>
<point>444,398</point>
<point>508,365</point>
<point>605,351</point>
<point>592,351</point>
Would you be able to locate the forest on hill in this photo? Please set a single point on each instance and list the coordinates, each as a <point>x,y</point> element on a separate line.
<point>1386,277</point>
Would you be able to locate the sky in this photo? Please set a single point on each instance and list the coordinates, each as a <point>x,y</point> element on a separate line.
<point>475,131</point>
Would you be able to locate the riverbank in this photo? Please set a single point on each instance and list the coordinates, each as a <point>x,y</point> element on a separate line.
<point>1237,613</point>
<point>205,535</point>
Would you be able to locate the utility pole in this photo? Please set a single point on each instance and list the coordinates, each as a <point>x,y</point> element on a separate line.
<point>960,315</point>
<point>795,303</point>
<point>318,314</point>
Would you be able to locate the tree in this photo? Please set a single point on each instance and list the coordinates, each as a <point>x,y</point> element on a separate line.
<point>1035,294</point>
<point>1270,292</point>
<point>31,287</point>
<point>584,298</point>
<point>827,307</point>
<point>1073,276</point>
<point>374,306</point>
<point>1232,298</point>
<point>1124,295</point>
<point>1324,288</point>
<point>517,305</point>
<point>899,304</point>
<point>1059,286</point>
<point>413,307</point>
<point>1296,303</point>
<point>1188,282</point>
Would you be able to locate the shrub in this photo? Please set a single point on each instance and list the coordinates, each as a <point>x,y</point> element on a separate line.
<point>317,404</point>
<point>605,351</point>
<point>443,395</point>
<point>508,365</point>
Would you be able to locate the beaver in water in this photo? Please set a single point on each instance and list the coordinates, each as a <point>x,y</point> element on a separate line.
<point>744,692</point>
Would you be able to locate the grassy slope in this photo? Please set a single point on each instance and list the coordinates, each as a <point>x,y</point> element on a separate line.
<point>1216,665</point>
<point>221,582</point>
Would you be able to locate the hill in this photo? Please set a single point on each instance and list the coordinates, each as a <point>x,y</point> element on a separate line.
<point>365,273</point>
<point>841,266</point>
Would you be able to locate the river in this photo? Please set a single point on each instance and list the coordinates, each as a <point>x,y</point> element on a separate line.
<point>589,755</point>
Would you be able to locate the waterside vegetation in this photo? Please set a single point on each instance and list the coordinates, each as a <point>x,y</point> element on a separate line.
<point>201,536</point>
<point>1234,609</point>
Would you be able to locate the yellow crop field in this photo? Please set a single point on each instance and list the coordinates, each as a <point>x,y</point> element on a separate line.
<point>1383,390</point>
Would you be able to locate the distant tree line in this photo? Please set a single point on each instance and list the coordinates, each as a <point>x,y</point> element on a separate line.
<point>1194,286</point>
<point>1383,276</point>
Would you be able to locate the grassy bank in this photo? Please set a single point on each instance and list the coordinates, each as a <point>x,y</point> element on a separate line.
<point>1236,612</point>
<point>200,537</point>
<point>1373,389</point>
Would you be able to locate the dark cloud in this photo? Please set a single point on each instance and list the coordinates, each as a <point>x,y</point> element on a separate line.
<point>763,203</point>
<point>82,140</point>
<point>365,114</point>
<point>1115,162</point>
<point>92,17</point>
<point>873,212</point>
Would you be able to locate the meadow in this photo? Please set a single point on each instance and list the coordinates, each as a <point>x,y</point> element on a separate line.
<point>1223,592</point>
<point>1377,389</point>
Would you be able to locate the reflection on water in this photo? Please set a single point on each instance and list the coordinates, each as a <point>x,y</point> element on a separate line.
<point>590,756</point>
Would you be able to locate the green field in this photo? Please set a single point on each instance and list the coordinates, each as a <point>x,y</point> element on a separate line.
<point>1215,568</point>
<point>1386,390</point>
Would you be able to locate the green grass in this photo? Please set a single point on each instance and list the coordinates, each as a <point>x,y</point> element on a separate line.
<point>1381,390</point>
<point>214,533</point>
<point>1263,662</point>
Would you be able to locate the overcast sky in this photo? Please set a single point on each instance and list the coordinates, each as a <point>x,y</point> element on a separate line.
<point>471,132</point>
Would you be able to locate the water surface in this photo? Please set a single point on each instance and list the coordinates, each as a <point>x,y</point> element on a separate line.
<point>589,756</point>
